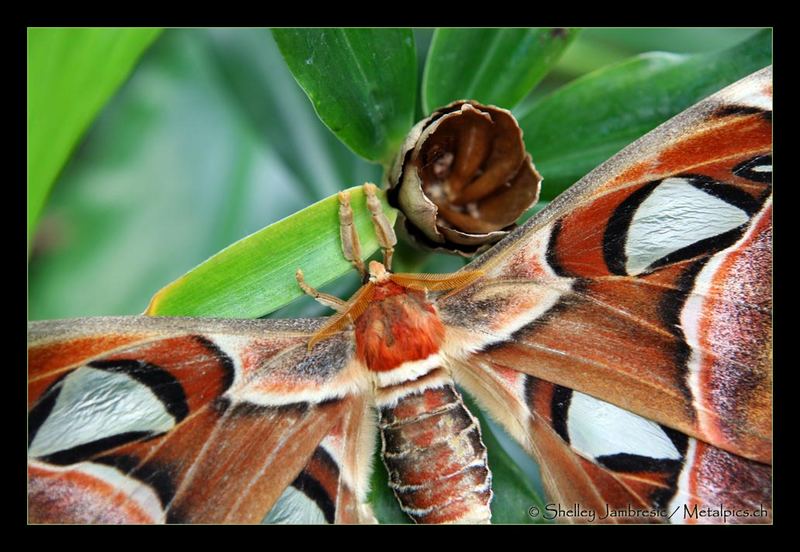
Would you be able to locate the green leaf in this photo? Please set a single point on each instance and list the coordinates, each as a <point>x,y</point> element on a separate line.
<point>584,123</point>
<point>209,141</point>
<point>597,47</point>
<point>71,75</point>
<point>680,40</point>
<point>493,66</point>
<point>362,83</point>
<point>586,54</point>
<point>256,275</point>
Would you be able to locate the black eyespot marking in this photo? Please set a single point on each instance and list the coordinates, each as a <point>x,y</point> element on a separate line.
<point>88,451</point>
<point>156,476</point>
<point>42,409</point>
<point>163,384</point>
<point>726,192</point>
<point>314,490</point>
<point>633,463</point>
<point>562,396</point>
<point>552,250</point>
<point>731,110</point>
<point>615,236</point>
<point>224,360</point>
<point>757,169</point>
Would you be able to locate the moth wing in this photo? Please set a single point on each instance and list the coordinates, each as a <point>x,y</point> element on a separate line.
<point>621,466</point>
<point>648,284</point>
<point>332,487</point>
<point>140,419</point>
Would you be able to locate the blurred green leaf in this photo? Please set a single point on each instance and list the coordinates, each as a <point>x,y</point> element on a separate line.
<point>586,122</point>
<point>184,161</point>
<point>71,75</point>
<point>493,66</point>
<point>362,83</point>
<point>677,40</point>
<point>256,275</point>
<point>586,54</point>
<point>597,47</point>
<point>260,88</point>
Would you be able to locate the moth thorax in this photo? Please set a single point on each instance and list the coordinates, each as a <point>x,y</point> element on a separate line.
<point>434,454</point>
<point>399,326</point>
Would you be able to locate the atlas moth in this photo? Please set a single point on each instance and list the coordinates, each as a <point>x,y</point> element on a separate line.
<point>623,336</point>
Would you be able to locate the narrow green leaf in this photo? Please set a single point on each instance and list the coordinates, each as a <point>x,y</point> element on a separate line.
<point>71,75</point>
<point>586,54</point>
<point>362,83</point>
<point>678,40</point>
<point>584,123</point>
<point>493,66</point>
<point>256,275</point>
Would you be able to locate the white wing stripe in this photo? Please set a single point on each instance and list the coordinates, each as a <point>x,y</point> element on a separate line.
<point>597,428</point>
<point>675,215</point>
<point>294,507</point>
<point>94,404</point>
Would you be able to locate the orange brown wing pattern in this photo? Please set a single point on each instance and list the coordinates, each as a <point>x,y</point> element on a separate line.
<point>184,420</point>
<point>615,466</point>
<point>648,284</point>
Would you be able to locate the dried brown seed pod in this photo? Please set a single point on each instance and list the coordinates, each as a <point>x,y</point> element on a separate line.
<point>463,178</point>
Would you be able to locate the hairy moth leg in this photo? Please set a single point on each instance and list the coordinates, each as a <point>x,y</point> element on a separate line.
<point>351,246</point>
<point>324,298</point>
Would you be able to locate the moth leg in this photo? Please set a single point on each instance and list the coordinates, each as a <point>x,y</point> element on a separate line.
<point>351,246</point>
<point>384,231</point>
<point>325,298</point>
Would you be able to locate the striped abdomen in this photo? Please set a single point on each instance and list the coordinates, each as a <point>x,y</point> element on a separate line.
<point>432,445</point>
<point>433,452</point>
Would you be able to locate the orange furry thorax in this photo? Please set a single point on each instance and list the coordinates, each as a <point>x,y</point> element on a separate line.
<point>399,325</point>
